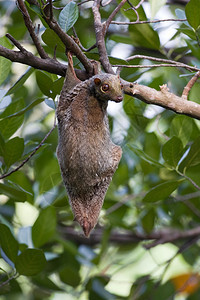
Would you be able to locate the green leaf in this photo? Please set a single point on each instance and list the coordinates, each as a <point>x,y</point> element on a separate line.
<point>9,126</point>
<point>19,83</point>
<point>143,35</point>
<point>13,192</point>
<point>46,171</point>
<point>22,181</point>
<point>13,151</point>
<point>44,227</point>
<point>5,64</point>
<point>57,85</point>
<point>51,39</point>
<point>187,30</point>
<point>120,38</point>
<point>182,127</point>
<point>70,276</point>
<point>50,103</point>
<point>148,220</point>
<point>45,83</point>
<point>96,287</point>
<point>193,156</point>
<point>37,10</point>
<point>8,243</point>
<point>27,108</point>
<point>161,191</point>
<point>34,8</point>
<point>68,16</point>
<point>192,11</point>
<point>30,262</point>
<point>172,151</point>
<point>144,156</point>
<point>155,6</point>
<point>45,283</point>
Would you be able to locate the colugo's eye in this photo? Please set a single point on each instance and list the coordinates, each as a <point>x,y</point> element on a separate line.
<point>105,87</point>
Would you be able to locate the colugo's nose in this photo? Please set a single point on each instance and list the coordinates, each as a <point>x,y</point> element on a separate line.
<point>119,98</point>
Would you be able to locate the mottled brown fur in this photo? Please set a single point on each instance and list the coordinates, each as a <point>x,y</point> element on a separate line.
<point>87,156</point>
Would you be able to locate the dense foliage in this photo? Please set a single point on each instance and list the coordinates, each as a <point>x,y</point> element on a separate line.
<point>156,189</point>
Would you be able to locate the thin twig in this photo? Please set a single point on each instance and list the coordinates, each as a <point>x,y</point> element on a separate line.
<point>186,200</point>
<point>180,65</point>
<point>151,58</point>
<point>8,280</point>
<point>71,45</point>
<point>31,29</point>
<point>80,45</point>
<point>193,208</point>
<point>187,197</point>
<point>190,179</point>
<point>123,202</point>
<point>134,9</point>
<point>112,15</point>
<point>147,21</point>
<point>30,155</point>
<point>158,128</point>
<point>16,43</point>
<point>189,85</point>
<point>163,60</point>
<point>100,42</point>
<point>139,4</point>
<point>182,249</point>
<point>83,2</point>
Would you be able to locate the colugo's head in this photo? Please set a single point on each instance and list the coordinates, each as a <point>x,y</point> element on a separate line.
<point>107,87</point>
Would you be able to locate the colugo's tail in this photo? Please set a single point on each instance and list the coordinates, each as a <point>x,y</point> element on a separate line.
<point>86,212</point>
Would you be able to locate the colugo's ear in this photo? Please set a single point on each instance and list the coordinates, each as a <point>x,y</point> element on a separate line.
<point>97,81</point>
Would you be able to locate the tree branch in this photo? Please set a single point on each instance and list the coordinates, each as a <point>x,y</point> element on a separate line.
<point>147,21</point>
<point>148,95</point>
<point>190,84</point>
<point>68,42</point>
<point>162,98</point>
<point>50,65</point>
<point>99,31</point>
<point>31,29</point>
<point>128,237</point>
<point>71,45</point>
<point>27,58</point>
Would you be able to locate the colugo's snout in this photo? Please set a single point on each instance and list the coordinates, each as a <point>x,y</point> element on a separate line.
<point>108,87</point>
<point>119,99</point>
